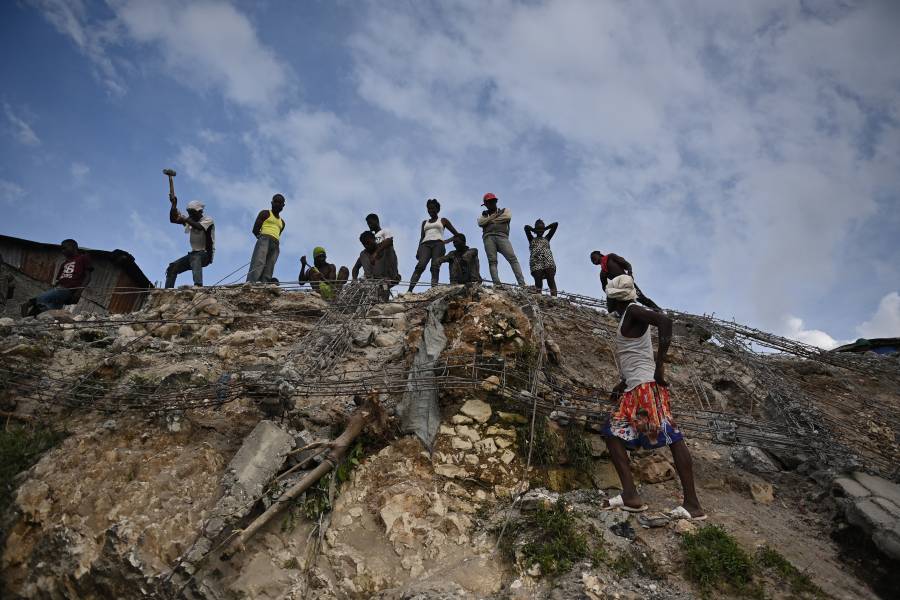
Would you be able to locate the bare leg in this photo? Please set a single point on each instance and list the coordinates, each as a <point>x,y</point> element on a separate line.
<point>551,283</point>
<point>619,458</point>
<point>684,466</point>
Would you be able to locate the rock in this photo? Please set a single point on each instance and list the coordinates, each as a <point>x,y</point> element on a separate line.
<point>167,330</point>
<point>467,432</point>
<point>60,315</point>
<point>878,486</point>
<point>512,418</point>
<point>604,476</point>
<point>763,493</point>
<point>653,469</point>
<point>533,499</point>
<point>210,333</point>
<point>364,336</point>
<point>486,446</point>
<point>751,458</point>
<point>491,384</point>
<point>451,471</point>
<point>476,409</point>
<point>683,526</point>
<point>387,339</point>
<point>461,444</point>
<point>494,430</point>
<point>6,325</point>
<point>598,446</point>
<point>471,459</point>
<point>502,442</point>
<point>507,457</point>
<point>554,354</point>
<point>461,420</point>
<point>843,487</point>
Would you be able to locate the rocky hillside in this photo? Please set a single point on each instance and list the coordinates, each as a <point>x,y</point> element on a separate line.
<point>141,451</point>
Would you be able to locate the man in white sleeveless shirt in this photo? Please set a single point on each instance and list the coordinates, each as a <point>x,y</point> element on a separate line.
<point>644,417</point>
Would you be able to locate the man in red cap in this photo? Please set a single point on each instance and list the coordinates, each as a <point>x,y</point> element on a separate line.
<point>494,223</point>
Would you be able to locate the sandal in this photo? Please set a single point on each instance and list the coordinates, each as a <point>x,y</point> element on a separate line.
<point>681,512</point>
<point>618,503</point>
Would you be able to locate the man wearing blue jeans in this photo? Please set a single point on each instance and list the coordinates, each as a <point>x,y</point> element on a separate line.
<point>201,230</point>
<point>73,276</point>
<point>494,225</point>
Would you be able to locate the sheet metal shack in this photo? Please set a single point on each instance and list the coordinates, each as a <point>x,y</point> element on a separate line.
<point>117,286</point>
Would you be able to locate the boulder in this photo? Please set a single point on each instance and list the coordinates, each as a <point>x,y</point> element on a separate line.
<point>654,469</point>
<point>491,384</point>
<point>762,492</point>
<point>476,409</point>
<point>751,458</point>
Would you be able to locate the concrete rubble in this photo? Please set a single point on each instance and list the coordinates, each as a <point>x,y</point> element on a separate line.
<point>137,503</point>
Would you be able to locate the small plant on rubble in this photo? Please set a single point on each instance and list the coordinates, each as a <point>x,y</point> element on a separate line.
<point>21,447</point>
<point>578,449</point>
<point>714,561</point>
<point>317,500</point>
<point>546,443</point>
<point>559,541</point>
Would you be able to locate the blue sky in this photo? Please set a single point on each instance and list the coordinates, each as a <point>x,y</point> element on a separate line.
<point>744,156</point>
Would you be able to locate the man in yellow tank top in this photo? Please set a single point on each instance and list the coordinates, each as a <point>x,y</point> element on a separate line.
<point>267,229</point>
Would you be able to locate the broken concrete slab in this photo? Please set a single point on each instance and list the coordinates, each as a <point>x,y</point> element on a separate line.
<point>878,486</point>
<point>849,488</point>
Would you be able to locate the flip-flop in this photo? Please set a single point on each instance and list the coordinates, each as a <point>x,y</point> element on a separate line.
<point>653,520</point>
<point>681,512</point>
<point>617,502</point>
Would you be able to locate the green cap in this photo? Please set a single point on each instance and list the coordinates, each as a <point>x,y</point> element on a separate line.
<point>318,250</point>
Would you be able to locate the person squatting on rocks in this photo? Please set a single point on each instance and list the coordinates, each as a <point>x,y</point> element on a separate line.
<point>613,265</point>
<point>377,262</point>
<point>541,257</point>
<point>464,267</point>
<point>494,225</point>
<point>268,228</point>
<point>431,243</point>
<point>72,278</point>
<point>201,231</point>
<point>323,276</point>
<point>644,417</point>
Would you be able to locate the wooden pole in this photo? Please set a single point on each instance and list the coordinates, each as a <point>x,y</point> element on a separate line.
<point>338,450</point>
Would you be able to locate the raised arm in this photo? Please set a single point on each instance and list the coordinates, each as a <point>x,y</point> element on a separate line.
<point>551,229</point>
<point>174,215</point>
<point>303,277</point>
<point>449,226</point>
<point>528,234</point>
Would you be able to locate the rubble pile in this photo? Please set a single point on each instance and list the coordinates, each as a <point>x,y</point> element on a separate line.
<point>186,420</point>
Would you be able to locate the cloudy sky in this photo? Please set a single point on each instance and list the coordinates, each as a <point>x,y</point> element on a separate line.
<point>744,156</point>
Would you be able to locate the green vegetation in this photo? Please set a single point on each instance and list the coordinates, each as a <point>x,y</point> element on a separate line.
<point>578,449</point>
<point>546,443</point>
<point>21,447</point>
<point>560,542</point>
<point>715,562</point>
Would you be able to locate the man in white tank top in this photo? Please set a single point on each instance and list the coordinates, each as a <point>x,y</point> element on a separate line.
<point>643,418</point>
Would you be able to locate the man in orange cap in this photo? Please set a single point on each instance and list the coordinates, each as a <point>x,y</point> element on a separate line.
<point>494,223</point>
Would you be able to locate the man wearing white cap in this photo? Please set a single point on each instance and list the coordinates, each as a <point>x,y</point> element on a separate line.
<point>202,235</point>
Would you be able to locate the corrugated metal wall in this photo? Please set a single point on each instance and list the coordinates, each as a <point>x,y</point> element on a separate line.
<point>100,296</point>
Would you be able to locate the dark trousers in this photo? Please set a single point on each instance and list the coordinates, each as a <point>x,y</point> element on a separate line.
<point>192,261</point>
<point>428,251</point>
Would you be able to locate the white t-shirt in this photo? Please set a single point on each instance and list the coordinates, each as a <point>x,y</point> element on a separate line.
<point>434,232</point>
<point>384,234</point>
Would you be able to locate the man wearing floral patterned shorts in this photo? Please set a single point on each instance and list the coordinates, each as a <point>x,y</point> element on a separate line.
<point>644,417</point>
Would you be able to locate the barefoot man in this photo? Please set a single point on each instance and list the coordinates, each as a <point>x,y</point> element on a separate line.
<point>643,418</point>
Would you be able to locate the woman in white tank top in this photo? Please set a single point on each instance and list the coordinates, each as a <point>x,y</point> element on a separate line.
<point>431,243</point>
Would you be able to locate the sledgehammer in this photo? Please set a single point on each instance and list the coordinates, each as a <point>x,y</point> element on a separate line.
<point>170,173</point>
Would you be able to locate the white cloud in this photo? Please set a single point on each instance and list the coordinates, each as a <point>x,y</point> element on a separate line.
<point>208,44</point>
<point>10,192</point>
<point>90,36</point>
<point>79,172</point>
<point>20,128</point>
<point>793,328</point>
<point>886,320</point>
